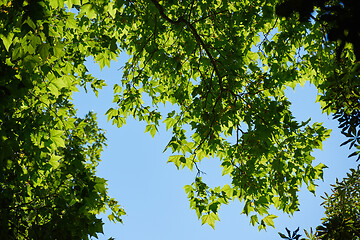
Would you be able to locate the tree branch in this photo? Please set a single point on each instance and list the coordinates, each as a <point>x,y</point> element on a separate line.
<point>180,20</point>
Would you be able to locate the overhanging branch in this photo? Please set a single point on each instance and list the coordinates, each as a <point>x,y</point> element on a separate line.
<point>182,20</point>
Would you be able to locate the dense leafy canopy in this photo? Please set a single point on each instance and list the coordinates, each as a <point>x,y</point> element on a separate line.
<point>342,219</point>
<point>340,19</point>
<point>341,93</point>
<point>220,67</point>
<point>48,155</point>
<point>342,212</point>
<point>226,65</point>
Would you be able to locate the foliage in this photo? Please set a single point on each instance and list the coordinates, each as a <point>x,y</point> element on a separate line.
<point>312,235</point>
<point>342,207</point>
<point>341,92</point>
<point>339,17</point>
<point>339,95</point>
<point>220,67</point>
<point>48,155</point>
<point>342,212</point>
<point>225,70</point>
<point>293,236</point>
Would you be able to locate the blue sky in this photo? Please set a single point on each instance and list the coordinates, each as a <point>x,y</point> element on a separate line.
<point>151,191</point>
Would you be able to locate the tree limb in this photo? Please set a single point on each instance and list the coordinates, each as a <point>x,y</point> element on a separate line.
<point>180,20</point>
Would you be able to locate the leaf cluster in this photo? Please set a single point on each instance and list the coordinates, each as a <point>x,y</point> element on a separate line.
<point>48,155</point>
<point>342,209</point>
<point>224,71</point>
<point>340,18</point>
<point>293,236</point>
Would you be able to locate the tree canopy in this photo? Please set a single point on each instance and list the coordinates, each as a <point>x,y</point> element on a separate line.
<point>48,155</point>
<point>220,67</point>
<point>342,219</point>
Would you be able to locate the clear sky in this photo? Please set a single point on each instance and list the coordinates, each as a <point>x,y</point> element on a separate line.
<point>151,191</point>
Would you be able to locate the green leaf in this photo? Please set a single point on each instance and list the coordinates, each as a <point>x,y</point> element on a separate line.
<point>254,220</point>
<point>311,188</point>
<point>111,113</point>
<point>189,163</point>
<point>176,159</point>
<point>228,190</point>
<point>70,3</point>
<point>214,207</point>
<point>88,10</point>
<point>7,40</point>
<point>283,235</point>
<point>151,128</point>
<point>111,10</point>
<point>353,154</point>
<point>44,51</point>
<point>100,185</point>
<point>111,217</point>
<point>209,219</point>
<point>59,50</point>
<point>103,59</point>
<point>57,3</point>
<point>269,220</point>
<point>200,154</point>
<point>170,122</point>
<point>188,188</point>
<point>56,137</point>
<point>54,161</point>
